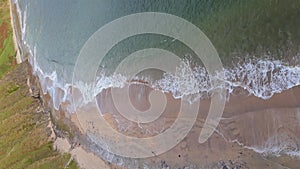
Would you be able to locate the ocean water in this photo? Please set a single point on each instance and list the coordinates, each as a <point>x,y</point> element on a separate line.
<point>258,43</point>
<point>56,33</point>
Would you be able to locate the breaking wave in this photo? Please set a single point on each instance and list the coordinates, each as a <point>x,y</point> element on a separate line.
<point>259,77</point>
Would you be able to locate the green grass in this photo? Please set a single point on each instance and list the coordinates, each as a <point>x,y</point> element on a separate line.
<point>7,51</point>
<point>23,132</point>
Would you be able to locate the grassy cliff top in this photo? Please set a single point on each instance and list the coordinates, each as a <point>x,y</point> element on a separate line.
<point>6,40</point>
<point>24,135</point>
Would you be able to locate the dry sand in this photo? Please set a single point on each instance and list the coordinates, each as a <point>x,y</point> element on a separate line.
<point>86,160</point>
<point>16,46</point>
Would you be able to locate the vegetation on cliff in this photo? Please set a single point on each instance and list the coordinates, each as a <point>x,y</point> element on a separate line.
<point>6,40</point>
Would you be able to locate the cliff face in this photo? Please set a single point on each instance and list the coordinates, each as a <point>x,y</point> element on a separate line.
<point>25,136</point>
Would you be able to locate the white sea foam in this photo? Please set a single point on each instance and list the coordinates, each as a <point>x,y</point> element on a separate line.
<point>261,78</point>
<point>275,150</point>
<point>24,21</point>
<point>22,14</point>
<point>59,93</point>
<point>275,147</point>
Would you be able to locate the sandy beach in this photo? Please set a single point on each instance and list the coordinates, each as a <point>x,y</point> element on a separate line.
<point>247,121</point>
<point>13,14</point>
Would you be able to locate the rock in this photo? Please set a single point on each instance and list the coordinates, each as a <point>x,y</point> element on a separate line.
<point>35,92</point>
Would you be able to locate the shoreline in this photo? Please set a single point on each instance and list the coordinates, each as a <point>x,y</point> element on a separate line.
<point>229,124</point>
<point>61,144</point>
<point>232,138</point>
<point>235,116</point>
<point>16,44</point>
<point>217,147</point>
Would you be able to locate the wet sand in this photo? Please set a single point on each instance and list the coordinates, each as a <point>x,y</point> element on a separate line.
<point>247,121</point>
